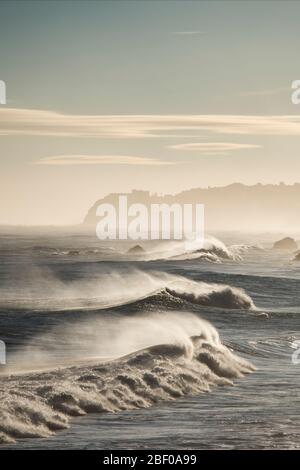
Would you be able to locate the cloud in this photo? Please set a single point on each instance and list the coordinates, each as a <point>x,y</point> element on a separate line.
<point>188,33</point>
<point>213,148</point>
<point>32,122</point>
<point>99,160</point>
<point>274,91</point>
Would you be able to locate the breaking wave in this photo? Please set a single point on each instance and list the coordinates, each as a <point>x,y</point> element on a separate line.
<point>215,295</point>
<point>117,288</point>
<point>210,249</point>
<point>192,361</point>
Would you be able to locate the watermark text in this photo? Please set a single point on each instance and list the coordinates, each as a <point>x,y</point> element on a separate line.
<point>149,222</point>
<point>2,92</point>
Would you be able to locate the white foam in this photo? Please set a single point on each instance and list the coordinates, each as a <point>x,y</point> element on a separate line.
<point>47,293</point>
<point>191,360</point>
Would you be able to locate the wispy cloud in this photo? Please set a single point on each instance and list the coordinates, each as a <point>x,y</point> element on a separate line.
<point>269,92</point>
<point>188,33</point>
<point>99,160</point>
<point>213,148</point>
<point>31,122</point>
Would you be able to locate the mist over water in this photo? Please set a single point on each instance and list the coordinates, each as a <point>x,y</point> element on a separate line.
<point>41,289</point>
<point>98,329</point>
<point>182,365</point>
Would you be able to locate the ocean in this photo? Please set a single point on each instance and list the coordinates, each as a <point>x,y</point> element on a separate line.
<point>159,347</point>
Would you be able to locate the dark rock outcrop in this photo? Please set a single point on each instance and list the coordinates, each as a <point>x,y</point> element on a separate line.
<point>136,250</point>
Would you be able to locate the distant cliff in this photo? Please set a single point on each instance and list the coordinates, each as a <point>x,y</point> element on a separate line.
<point>233,207</point>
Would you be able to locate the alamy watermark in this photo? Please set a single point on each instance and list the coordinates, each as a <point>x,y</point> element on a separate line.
<point>2,92</point>
<point>296,354</point>
<point>295,96</point>
<point>149,222</point>
<point>2,353</point>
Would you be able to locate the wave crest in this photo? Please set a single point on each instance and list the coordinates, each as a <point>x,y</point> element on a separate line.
<point>118,288</point>
<point>215,295</point>
<point>40,404</point>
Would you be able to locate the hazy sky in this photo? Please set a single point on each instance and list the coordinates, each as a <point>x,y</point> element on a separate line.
<point>108,96</point>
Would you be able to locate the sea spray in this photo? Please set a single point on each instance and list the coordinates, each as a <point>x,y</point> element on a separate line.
<point>38,404</point>
<point>43,291</point>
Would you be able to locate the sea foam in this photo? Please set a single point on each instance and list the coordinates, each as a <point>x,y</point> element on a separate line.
<point>38,404</point>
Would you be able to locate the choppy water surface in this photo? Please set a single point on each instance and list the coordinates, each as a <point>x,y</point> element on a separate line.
<point>166,348</point>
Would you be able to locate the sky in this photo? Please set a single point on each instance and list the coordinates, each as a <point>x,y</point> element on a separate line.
<point>110,96</point>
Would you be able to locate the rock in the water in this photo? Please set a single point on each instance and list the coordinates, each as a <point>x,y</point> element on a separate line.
<point>287,243</point>
<point>137,249</point>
